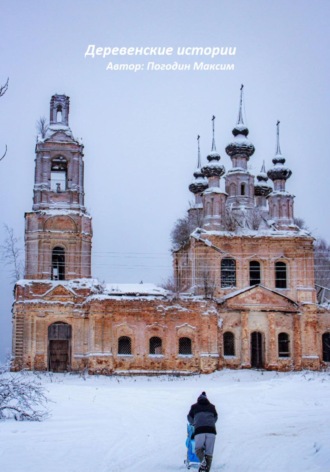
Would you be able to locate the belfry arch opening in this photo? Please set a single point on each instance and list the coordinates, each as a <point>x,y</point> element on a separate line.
<point>58,174</point>
<point>59,347</point>
<point>58,263</point>
<point>59,114</point>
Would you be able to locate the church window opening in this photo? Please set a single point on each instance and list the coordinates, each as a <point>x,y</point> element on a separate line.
<point>59,114</point>
<point>255,273</point>
<point>58,175</point>
<point>155,345</point>
<point>280,275</point>
<point>228,272</point>
<point>326,347</point>
<point>242,189</point>
<point>228,344</point>
<point>58,263</point>
<point>124,346</point>
<point>185,347</point>
<point>283,345</point>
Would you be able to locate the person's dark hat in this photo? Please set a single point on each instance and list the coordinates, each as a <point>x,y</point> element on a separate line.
<point>202,396</point>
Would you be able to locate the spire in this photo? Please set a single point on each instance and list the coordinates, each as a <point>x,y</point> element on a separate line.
<point>278,149</point>
<point>240,120</point>
<point>240,146</point>
<point>198,153</point>
<point>213,148</point>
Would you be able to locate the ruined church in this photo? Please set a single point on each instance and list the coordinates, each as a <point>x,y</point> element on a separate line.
<point>244,292</point>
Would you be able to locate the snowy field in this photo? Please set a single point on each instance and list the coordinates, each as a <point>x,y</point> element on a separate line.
<point>268,422</point>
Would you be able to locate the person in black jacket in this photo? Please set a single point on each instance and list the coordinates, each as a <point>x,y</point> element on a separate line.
<point>203,416</point>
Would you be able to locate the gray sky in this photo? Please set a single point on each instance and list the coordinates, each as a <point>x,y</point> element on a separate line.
<point>139,129</point>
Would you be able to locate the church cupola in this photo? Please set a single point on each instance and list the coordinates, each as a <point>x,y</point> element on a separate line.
<point>213,198</point>
<point>239,181</point>
<point>280,201</point>
<point>213,170</point>
<point>262,189</point>
<point>199,184</point>
<point>279,174</point>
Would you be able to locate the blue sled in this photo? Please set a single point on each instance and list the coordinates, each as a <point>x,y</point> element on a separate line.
<point>192,460</point>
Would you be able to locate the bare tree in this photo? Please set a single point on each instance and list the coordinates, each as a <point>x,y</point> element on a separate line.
<point>170,284</point>
<point>42,126</point>
<point>3,90</point>
<point>301,223</point>
<point>22,396</point>
<point>181,232</point>
<point>11,254</point>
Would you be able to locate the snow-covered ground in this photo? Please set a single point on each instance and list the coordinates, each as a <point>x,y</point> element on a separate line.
<point>268,422</point>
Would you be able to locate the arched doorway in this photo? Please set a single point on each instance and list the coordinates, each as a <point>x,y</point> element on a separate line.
<point>257,350</point>
<point>59,347</point>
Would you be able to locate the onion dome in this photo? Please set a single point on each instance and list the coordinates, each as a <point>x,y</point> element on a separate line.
<point>213,168</point>
<point>240,145</point>
<point>199,184</point>
<point>261,189</point>
<point>279,171</point>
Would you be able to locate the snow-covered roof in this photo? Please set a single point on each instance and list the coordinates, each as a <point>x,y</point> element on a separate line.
<point>134,289</point>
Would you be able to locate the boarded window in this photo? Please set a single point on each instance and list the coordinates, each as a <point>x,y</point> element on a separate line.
<point>58,174</point>
<point>280,275</point>
<point>326,347</point>
<point>58,263</point>
<point>228,272</point>
<point>283,345</point>
<point>255,273</point>
<point>228,344</point>
<point>155,345</point>
<point>124,345</point>
<point>185,346</point>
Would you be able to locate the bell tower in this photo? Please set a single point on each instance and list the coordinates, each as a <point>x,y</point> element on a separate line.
<point>58,231</point>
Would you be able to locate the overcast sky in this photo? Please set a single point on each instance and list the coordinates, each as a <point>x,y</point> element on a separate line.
<point>139,128</point>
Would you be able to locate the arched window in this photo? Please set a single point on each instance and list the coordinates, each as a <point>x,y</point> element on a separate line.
<point>58,263</point>
<point>326,347</point>
<point>124,346</point>
<point>242,189</point>
<point>232,189</point>
<point>283,345</point>
<point>155,345</point>
<point>280,275</point>
<point>185,346</point>
<point>255,273</point>
<point>228,272</point>
<point>228,344</point>
<point>58,174</point>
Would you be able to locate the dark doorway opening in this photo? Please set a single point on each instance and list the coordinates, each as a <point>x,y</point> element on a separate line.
<point>326,347</point>
<point>257,354</point>
<point>59,347</point>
